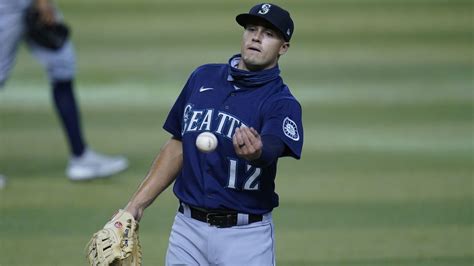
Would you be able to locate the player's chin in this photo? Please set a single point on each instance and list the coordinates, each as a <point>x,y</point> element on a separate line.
<point>253,62</point>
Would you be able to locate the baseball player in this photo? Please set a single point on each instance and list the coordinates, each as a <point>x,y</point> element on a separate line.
<point>227,196</point>
<point>59,64</point>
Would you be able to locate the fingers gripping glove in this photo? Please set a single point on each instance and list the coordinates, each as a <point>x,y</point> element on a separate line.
<point>117,243</point>
<point>52,37</point>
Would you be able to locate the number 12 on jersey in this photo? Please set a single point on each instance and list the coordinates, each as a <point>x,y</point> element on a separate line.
<point>252,175</point>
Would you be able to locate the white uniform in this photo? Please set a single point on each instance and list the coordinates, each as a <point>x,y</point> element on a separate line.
<point>12,5</point>
<point>60,64</point>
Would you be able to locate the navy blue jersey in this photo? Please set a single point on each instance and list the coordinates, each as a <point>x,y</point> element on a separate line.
<point>212,101</point>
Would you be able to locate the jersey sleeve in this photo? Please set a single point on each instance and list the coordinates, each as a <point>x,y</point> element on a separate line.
<point>174,122</point>
<point>283,119</point>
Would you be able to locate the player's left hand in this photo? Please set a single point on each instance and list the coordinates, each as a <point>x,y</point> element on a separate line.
<point>117,243</point>
<point>46,12</point>
<point>247,143</point>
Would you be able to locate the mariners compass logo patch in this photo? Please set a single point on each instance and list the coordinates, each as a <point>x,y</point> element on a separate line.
<point>290,129</point>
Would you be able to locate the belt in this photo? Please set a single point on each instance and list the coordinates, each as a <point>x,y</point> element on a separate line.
<point>220,218</point>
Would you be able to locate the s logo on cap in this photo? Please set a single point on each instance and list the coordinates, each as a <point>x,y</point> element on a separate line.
<point>264,9</point>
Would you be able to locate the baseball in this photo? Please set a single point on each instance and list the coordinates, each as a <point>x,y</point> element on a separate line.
<point>206,142</point>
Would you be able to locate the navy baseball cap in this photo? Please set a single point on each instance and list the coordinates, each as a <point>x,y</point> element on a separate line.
<point>273,14</point>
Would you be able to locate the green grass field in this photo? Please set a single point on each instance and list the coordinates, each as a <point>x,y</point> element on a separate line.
<point>386,176</point>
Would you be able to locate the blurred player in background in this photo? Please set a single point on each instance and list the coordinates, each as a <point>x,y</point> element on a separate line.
<point>84,163</point>
<point>227,195</point>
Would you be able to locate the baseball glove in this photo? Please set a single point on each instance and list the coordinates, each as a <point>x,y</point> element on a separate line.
<point>117,243</point>
<point>52,36</point>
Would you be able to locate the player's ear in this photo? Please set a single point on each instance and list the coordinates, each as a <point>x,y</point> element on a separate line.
<point>284,48</point>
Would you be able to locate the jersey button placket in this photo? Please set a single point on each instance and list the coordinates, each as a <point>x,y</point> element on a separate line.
<point>226,106</point>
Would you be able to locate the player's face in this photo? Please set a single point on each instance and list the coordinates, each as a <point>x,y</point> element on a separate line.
<point>261,47</point>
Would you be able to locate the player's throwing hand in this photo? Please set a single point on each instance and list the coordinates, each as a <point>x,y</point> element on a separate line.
<point>247,143</point>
